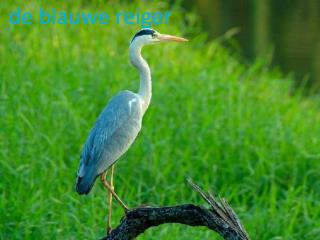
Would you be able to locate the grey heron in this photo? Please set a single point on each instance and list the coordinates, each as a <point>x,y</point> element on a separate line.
<point>119,123</point>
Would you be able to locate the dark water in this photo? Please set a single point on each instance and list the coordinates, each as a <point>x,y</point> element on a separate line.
<point>291,28</point>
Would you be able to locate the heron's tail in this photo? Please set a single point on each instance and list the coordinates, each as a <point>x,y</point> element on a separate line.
<point>84,184</point>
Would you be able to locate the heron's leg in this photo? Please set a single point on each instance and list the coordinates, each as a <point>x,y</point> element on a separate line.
<point>109,228</point>
<point>107,185</point>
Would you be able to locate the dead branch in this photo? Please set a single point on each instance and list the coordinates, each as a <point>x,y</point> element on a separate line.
<point>219,217</point>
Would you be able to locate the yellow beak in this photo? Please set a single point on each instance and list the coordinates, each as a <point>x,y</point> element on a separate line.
<point>169,38</point>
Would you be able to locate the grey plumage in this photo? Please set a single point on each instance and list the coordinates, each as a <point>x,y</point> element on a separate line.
<point>113,133</point>
<point>120,122</point>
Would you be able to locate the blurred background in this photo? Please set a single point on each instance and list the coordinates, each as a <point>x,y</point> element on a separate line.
<point>231,109</point>
<point>288,30</point>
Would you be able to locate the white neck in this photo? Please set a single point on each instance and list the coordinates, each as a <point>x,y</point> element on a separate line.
<point>145,90</point>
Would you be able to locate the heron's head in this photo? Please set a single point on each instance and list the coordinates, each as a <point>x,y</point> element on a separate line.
<point>148,36</point>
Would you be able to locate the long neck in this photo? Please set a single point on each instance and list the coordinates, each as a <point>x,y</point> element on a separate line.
<point>145,90</point>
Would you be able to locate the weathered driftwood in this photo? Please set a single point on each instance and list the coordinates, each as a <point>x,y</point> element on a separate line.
<point>219,217</point>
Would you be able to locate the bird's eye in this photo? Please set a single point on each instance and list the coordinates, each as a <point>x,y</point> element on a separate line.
<point>153,35</point>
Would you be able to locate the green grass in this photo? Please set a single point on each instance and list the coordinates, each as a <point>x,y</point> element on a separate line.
<point>237,130</point>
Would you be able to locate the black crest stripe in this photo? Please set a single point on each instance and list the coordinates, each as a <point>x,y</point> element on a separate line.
<point>143,32</point>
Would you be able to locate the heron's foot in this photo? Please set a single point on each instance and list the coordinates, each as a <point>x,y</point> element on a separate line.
<point>109,227</point>
<point>109,230</point>
<point>126,210</point>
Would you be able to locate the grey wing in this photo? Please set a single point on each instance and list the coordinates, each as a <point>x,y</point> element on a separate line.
<point>113,133</point>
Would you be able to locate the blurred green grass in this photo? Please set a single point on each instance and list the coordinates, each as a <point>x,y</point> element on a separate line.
<point>237,130</point>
